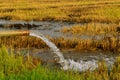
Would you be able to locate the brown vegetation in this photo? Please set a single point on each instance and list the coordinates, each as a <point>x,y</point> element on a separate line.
<point>91,29</point>
<point>106,43</point>
<point>105,11</point>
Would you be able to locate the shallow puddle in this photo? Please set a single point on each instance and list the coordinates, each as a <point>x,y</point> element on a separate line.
<point>85,56</point>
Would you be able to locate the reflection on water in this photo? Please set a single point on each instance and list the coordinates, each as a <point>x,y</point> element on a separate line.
<point>47,28</point>
<point>78,59</point>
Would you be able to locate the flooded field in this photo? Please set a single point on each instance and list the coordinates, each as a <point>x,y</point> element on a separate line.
<point>47,28</point>
<point>59,40</point>
<point>78,56</point>
<point>53,30</point>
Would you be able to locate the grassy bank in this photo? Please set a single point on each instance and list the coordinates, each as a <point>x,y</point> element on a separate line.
<point>14,67</point>
<point>61,10</point>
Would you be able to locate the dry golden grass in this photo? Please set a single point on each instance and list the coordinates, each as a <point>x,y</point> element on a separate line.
<point>22,42</point>
<point>61,10</point>
<point>91,29</point>
<point>106,43</point>
<point>102,11</point>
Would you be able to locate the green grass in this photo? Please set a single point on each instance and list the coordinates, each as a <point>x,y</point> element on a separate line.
<point>14,67</point>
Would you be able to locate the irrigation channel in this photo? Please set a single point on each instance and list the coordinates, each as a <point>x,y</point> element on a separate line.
<point>72,60</point>
<point>47,28</point>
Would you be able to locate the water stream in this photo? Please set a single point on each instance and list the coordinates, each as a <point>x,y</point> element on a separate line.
<point>50,44</point>
<point>48,28</point>
<point>52,29</point>
<point>66,63</point>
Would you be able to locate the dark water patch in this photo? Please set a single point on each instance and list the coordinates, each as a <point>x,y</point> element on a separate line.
<point>2,26</point>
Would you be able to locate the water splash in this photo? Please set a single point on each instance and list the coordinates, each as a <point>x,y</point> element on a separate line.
<point>66,64</point>
<point>80,66</point>
<point>50,44</point>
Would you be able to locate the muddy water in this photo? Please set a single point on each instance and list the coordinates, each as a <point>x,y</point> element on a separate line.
<point>78,56</point>
<point>81,58</point>
<point>46,28</point>
<point>50,28</point>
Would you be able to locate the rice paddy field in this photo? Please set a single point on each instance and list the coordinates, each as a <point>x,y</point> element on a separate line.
<point>90,26</point>
<point>61,10</point>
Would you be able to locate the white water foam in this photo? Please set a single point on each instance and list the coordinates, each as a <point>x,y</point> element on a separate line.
<point>50,44</point>
<point>67,64</point>
<point>80,66</point>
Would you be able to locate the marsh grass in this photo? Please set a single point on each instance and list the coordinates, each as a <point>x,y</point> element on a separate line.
<point>22,42</point>
<point>61,10</point>
<point>91,29</point>
<point>14,67</point>
<point>109,36</point>
<point>105,43</point>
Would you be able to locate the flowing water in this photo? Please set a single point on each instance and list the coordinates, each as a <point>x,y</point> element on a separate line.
<point>48,28</point>
<point>50,44</point>
<point>67,63</point>
<point>52,28</point>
